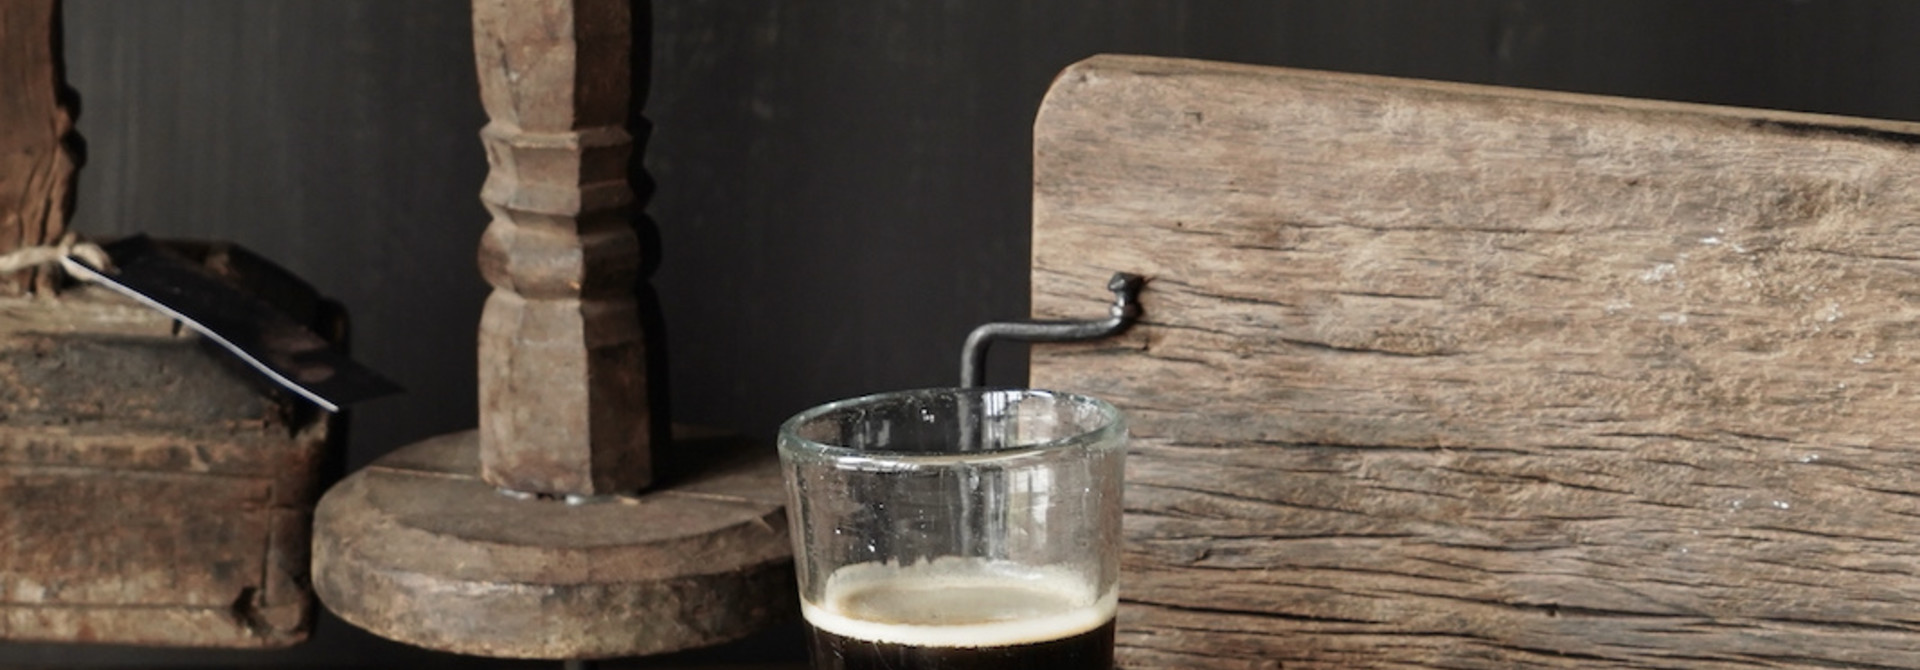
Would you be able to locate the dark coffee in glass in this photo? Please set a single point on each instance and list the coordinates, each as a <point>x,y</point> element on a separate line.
<point>953,529</point>
<point>959,614</point>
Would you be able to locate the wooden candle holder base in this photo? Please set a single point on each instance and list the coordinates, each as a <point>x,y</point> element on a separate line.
<point>418,549</point>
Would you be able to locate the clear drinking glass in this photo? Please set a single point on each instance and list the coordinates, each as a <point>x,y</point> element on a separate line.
<point>957,528</point>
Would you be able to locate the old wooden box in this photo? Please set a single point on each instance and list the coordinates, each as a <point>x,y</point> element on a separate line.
<point>152,489</point>
<point>1446,376</point>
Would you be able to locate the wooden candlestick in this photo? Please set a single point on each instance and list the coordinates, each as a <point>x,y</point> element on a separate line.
<point>423,547</point>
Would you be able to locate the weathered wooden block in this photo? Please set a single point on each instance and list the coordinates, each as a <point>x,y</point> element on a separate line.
<point>152,490</point>
<point>1448,376</point>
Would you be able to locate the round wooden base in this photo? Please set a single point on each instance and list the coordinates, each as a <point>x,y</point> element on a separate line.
<point>416,548</point>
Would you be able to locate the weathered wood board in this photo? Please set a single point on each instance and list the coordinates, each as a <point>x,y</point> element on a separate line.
<point>1447,376</point>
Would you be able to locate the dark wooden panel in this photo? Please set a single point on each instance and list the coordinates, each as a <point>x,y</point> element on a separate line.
<point>1436,375</point>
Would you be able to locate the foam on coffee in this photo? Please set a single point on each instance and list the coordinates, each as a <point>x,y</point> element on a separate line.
<point>958,602</point>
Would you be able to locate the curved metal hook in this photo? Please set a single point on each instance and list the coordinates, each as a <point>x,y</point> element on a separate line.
<point>1124,312</point>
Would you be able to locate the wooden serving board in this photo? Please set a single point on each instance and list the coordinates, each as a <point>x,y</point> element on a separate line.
<point>1448,376</point>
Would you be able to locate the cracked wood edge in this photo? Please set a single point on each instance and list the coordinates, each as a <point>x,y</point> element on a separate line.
<point>1436,375</point>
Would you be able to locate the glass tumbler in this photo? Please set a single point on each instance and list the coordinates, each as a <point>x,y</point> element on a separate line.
<point>957,528</point>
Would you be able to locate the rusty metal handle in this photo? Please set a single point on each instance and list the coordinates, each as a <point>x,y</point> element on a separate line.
<point>1122,315</point>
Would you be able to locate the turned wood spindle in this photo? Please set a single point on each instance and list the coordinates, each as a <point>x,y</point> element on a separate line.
<point>563,393</point>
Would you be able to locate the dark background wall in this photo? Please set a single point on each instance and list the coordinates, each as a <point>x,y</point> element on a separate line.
<point>842,185</point>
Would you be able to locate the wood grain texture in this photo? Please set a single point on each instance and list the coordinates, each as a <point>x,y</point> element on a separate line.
<point>563,386</point>
<point>1437,375</point>
<point>151,492</point>
<point>36,170</point>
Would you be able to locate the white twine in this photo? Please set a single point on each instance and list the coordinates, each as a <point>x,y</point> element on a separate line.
<point>62,254</point>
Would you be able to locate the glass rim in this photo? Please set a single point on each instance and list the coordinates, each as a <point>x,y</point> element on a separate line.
<point>1112,421</point>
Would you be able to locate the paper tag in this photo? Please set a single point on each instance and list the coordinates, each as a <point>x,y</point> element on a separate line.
<point>263,336</point>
